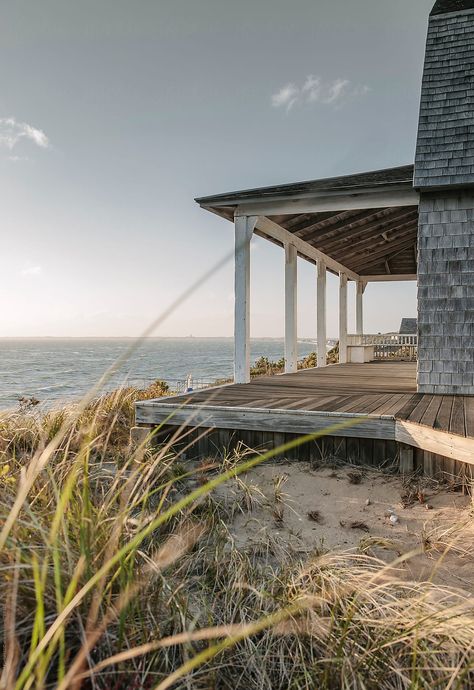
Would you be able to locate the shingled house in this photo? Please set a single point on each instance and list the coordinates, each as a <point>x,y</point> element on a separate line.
<point>409,326</point>
<point>407,223</point>
<point>444,177</point>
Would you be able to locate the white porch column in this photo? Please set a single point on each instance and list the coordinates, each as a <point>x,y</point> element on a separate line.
<point>321,313</point>
<point>244,227</point>
<point>291,282</point>
<point>360,289</point>
<point>342,318</point>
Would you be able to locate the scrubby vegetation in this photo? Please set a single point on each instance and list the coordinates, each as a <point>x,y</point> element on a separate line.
<point>266,367</point>
<point>118,570</point>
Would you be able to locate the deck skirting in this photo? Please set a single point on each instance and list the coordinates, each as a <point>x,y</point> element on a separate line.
<point>369,407</point>
<point>255,419</point>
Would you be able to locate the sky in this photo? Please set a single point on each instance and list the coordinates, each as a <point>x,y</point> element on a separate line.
<point>115,115</point>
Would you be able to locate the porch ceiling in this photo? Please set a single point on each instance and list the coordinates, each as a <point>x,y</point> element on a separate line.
<point>368,222</point>
<point>379,241</point>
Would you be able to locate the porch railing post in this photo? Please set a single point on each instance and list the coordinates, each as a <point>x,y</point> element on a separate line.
<point>321,314</point>
<point>244,227</point>
<point>360,289</point>
<point>342,318</point>
<point>291,282</point>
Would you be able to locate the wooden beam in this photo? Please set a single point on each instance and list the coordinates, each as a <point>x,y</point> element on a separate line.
<point>294,221</point>
<point>380,256</point>
<point>342,318</point>
<point>317,225</point>
<point>301,222</point>
<point>330,202</point>
<point>321,314</point>
<point>263,419</point>
<point>391,278</point>
<point>399,234</point>
<point>380,253</point>
<point>291,281</point>
<point>371,234</point>
<point>277,232</point>
<point>364,222</point>
<point>244,227</point>
<point>435,441</point>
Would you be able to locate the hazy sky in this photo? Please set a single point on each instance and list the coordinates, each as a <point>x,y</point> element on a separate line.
<point>114,115</point>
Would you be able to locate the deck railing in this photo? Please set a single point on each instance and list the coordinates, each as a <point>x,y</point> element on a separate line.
<point>389,345</point>
<point>188,384</point>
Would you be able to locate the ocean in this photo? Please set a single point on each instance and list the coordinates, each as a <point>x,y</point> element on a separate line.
<point>62,370</point>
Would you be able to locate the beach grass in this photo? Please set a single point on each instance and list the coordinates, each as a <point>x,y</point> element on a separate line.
<point>119,570</point>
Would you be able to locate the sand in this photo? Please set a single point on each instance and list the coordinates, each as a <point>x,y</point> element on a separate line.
<point>311,510</point>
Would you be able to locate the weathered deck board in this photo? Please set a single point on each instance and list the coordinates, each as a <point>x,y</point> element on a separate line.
<point>382,394</point>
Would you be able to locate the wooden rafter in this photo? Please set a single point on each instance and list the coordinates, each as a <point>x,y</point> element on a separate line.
<point>371,237</point>
<point>381,248</point>
<point>362,267</point>
<point>318,222</point>
<point>298,222</point>
<point>319,232</point>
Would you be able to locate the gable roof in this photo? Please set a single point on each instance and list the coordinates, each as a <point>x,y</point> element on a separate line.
<point>445,6</point>
<point>445,144</point>
<point>408,327</point>
<point>359,182</point>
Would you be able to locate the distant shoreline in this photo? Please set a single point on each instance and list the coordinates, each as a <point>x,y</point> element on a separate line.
<point>158,337</point>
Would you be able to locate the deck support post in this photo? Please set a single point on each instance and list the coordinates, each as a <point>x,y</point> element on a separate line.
<point>342,318</point>
<point>244,227</point>
<point>291,281</point>
<point>360,289</point>
<point>407,463</point>
<point>321,313</point>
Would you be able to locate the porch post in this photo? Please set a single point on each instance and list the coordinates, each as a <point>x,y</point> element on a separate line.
<point>342,318</point>
<point>321,313</point>
<point>244,227</point>
<point>291,280</point>
<point>360,307</point>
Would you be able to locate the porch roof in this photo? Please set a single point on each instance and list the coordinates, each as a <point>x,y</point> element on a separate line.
<point>349,183</point>
<point>366,223</point>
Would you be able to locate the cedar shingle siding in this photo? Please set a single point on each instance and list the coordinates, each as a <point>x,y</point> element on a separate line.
<point>444,174</point>
<point>445,293</point>
<point>445,148</point>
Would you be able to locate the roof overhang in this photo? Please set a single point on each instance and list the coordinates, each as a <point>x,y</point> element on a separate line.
<point>451,6</point>
<point>365,225</point>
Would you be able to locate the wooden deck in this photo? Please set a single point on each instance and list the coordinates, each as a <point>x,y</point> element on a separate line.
<point>380,395</point>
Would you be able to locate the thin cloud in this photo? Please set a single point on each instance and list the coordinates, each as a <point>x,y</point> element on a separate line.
<point>336,91</point>
<point>17,159</point>
<point>13,132</point>
<point>312,89</point>
<point>31,270</point>
<point>362,90</point>
<point>315,90</point>
<point>286,97</point>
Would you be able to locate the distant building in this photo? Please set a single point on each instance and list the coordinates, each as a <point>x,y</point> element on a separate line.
<point>408,327</point>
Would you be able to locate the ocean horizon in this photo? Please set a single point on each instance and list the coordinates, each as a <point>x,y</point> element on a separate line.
<point>57,370</point>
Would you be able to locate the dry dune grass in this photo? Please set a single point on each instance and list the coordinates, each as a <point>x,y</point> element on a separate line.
<point>119,570</point>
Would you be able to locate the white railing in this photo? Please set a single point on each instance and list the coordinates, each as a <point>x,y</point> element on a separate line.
<point>389,345</point>
<point>175,385</point>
